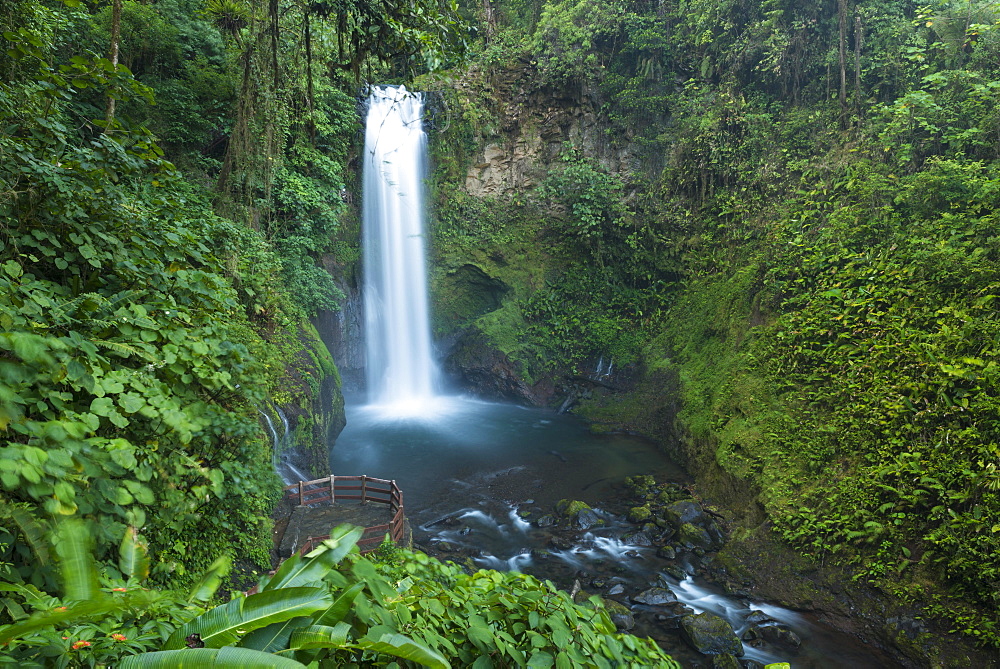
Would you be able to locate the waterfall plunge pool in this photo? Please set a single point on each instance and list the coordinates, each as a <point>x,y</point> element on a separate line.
<point>470,470</point>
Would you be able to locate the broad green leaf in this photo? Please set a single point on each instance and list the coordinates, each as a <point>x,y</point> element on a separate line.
<point>314,566</point>
<point>398,645</point>
<point>76,562</point>
<point>275,637</point>
<point>338,610</point>
<point>224,625</point>
<point>209,582</point>
<point>211,658</point>
<point>320,636</point>
<point>133,560</point>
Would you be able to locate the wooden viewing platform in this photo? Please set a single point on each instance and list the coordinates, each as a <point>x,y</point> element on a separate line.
<point>318,501</point>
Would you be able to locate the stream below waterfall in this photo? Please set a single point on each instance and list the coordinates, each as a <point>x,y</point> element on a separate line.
<point>479,479</point>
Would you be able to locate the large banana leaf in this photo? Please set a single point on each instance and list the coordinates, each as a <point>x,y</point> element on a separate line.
<point>398,645</point>
<point>275,636</point>
<point>210,580</point>
<point>211,658</point>
<point>133,561</point>
<point>224,625</point>
<point>76,562</point>
<point>297,571</point>
<point>320,636</point>
<point>338,610</point>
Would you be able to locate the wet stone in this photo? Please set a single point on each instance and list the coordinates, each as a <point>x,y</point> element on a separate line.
<point>655,597</point>
<point>725,661</point>
<point>694,536</point>
<point>587,519</point>
<point>676,571</point>
<point>781,635</point>
<point>666,552</point>
<point>560,543</point>
<point>599,583</point>
<point>680,513</point>
<point>620,615</point>
<point>710,634</point>
<point>638,539</point>
<point>756,617</point>
<point>548,520</point>
<point>616,589</point>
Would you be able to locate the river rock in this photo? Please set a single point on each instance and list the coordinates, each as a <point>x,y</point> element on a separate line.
<point>693,536</point>
<point>655,597</point>
<point>781,635</point>
<point>685,511</point>
<point>725,661</point>
<point>548,520</point>
<point>755,617</point>
<point>620,615</point>
<point>638,514</point>
<point>568,508</point>
<point>710,634</point>
<point>587,519</point>
<point>616,589</point>
<point>666,552</point>
<point>638,539</point>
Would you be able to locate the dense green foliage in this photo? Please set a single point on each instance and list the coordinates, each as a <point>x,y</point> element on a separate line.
<point>806,236</point>
<point>152,309</point>
<point>331,608</point>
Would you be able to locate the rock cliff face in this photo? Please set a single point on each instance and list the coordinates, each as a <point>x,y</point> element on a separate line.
<point>534,124</point>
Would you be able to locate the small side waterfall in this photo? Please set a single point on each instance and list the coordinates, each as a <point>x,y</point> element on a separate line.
<point>400,369</point>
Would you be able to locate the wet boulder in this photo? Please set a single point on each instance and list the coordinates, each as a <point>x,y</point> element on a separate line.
<point>639,514</point>
<point>710,634</point>
<point>725,661</point>
<point>548,520</point>
<point>620,615</point>
<point>666,552</point>
<point>616,589</point>
<point>578,513</point>
<point>694,536</point>
<point>569,508</point>
<point>781,635</point>
<point>685,511</point>
<point>587,519</point>
<point>637,539</point>
<point>655,597</point>
<point>755,617</point>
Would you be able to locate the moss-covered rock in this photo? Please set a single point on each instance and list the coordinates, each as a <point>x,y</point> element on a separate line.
<point>639,514</point>
<point>710,634</point>
<point>694,536</point>
<point>568,508</point>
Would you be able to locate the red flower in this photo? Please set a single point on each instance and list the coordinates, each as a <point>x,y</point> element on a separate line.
<point>119,637</point>
<point>80,644</point>
<point>119,589</point>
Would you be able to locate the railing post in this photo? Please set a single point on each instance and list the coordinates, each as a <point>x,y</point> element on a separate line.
<point>300,493</point>
<point>333,495</point>
<point>364,488</point>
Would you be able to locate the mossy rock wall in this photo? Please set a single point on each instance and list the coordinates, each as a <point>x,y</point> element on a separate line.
<point>311,398</point>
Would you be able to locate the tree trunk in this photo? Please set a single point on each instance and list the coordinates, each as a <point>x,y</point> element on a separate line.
<point>116,30</point>
<point>311,123</point>
<point>842,16</point>
<point>859,38</point>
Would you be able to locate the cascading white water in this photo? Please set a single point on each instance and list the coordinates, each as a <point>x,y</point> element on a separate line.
<point>400,369</point>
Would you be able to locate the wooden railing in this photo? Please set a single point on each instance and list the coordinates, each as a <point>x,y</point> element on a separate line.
<point>363,489</point>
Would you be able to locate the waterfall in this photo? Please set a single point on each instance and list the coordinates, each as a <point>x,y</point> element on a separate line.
<point>400,370</point>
